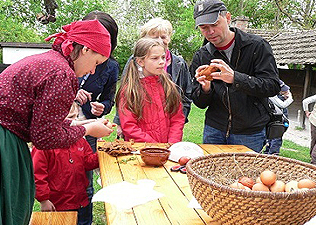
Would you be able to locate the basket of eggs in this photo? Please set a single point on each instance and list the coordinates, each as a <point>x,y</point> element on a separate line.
<point>251,188</point>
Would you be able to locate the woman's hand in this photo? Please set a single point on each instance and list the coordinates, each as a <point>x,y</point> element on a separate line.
<point>97,108</point>
<point>81,122</point>
<point>98,128</point>
<point>206,85</point>
<point>83,96</point>
<point>47,206</point>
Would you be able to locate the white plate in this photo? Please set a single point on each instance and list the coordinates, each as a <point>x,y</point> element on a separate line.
<point>180,149</point>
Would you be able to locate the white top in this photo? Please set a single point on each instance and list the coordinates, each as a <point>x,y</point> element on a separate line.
<point>306,102</point>
<point>282,104</point>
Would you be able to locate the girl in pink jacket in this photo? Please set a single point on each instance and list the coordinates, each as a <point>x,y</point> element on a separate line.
<point>148,102</point>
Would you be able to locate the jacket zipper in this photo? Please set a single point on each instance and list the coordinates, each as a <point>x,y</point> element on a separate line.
<point>230,114</point>
<point>228,99</point>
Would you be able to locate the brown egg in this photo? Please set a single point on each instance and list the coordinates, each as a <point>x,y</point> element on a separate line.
<point>291,186</point>
<point>260,187</point>
<point>246,181</point>
<point>268,177</point>
<point>306,183</point>
<point>237,185</point>
<point>278,186</point>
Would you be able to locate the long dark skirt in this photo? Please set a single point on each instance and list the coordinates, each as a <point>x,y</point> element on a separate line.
<point>17,187</point>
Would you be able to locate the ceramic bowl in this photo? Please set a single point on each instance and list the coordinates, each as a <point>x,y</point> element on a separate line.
<point>154,156</point>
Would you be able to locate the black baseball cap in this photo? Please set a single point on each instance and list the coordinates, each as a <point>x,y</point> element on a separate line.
<point>207,11</point>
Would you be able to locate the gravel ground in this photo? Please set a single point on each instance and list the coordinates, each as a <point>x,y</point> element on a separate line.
<point>300,137</point>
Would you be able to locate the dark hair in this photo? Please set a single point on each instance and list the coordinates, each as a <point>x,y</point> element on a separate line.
<point>108,22</point>
<point>76,52</point>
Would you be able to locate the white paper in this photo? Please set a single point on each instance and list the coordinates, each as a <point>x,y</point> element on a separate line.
<point>125,195</point>
<point>99,181</point>
<point>180,149</point>
<point>312,221</point>
<point>194,204</point>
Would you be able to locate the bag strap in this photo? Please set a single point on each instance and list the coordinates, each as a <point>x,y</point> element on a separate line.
<point>268,105</point>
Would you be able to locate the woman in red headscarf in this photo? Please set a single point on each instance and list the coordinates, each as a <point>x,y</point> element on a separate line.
<point>36,94</point>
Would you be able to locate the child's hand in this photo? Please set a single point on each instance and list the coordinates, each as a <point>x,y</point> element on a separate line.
<point>97,108</point>
<point>47,206</point>
<point>83,96</point>
<point>307,113</point>
<point>119,132</point>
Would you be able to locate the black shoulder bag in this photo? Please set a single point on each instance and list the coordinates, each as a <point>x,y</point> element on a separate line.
<point>278,123</point>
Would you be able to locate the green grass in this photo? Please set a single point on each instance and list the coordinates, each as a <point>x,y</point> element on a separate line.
<point>193,132</point>
<point>294,151</point>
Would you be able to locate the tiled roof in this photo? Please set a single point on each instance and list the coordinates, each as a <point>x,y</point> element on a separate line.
<point>296,48</point>
<point>266,34</point>
<point>291,47</point>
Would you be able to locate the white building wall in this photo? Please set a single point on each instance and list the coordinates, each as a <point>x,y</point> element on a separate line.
<point>12,55</point>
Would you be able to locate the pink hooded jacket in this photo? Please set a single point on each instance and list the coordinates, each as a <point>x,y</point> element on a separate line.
<point>156,126</point>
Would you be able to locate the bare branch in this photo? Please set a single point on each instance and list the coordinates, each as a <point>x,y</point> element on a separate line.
<point>294,20</point>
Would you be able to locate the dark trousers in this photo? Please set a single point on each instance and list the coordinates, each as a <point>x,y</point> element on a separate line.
<point>313,144</point>
<point>273,146</point>
<point>90,190</point>
<point>84,215</point>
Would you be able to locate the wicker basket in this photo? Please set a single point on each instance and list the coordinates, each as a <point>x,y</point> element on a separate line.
<point>209,177</point>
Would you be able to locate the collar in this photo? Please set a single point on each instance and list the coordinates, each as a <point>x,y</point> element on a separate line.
<point>227,46</point>
<point>241,39</point>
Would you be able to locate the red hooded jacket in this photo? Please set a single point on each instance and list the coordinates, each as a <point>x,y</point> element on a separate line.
<point>60,174</point>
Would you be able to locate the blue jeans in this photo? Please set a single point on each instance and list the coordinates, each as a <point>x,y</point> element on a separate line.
<point>273,146</point>
<point>252,141</point>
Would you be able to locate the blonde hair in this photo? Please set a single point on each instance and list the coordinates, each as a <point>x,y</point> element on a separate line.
<point>156,25</point>
<point>131,89</point>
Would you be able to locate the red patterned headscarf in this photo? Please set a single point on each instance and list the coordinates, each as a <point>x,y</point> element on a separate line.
<point>90,33</point>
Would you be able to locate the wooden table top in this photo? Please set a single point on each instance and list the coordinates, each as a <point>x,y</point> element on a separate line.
<point>54,218</point>
<point>170,209</point>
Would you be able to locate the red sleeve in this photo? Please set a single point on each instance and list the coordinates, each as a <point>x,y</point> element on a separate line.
<point>176,126</point>
<point>91,159</point>
<point>40,165</point>
<point>130,128</point>
<point>54,96</point>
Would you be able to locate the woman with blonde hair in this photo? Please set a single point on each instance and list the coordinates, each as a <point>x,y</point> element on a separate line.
<point>176,67</point>
<point>148,102</point>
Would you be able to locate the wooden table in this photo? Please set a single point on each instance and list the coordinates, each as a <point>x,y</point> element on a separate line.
<point>54,218</point>
<point>170,209</point>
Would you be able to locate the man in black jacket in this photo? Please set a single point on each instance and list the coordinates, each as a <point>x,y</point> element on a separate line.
<point>247,75</point>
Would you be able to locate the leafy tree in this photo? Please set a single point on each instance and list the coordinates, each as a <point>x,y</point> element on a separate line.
<point>20,16</point>
<point>302,14</point>
<point>12,29</point>
<point>262,14</point>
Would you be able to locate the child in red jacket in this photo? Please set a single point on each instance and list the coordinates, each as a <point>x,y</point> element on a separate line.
<point>148,102</point>
<point>61,181</point>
